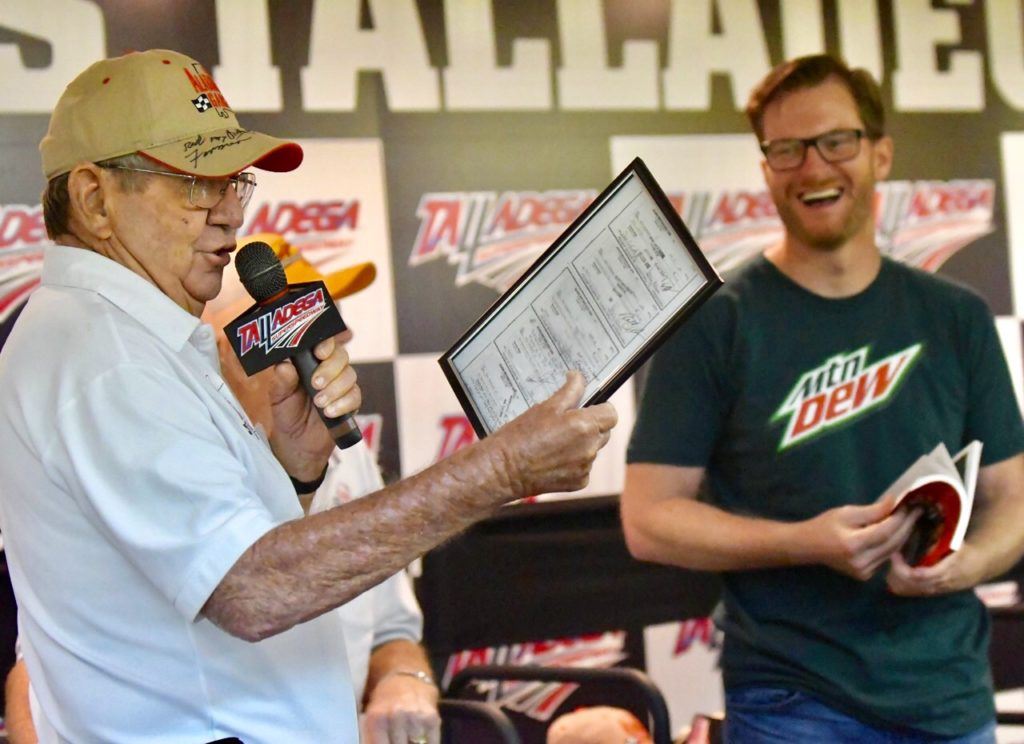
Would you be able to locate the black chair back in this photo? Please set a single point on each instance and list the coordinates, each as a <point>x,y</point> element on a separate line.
<point>611,684</point>
<point>464,721</point>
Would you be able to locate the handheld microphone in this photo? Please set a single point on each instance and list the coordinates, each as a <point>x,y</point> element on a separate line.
<point>286,322</point>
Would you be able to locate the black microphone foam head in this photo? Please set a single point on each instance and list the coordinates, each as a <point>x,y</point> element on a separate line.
<point>260,270</point>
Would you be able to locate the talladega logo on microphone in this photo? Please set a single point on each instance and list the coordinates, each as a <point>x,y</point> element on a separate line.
<point>493,237</point>
<point>282,327</point>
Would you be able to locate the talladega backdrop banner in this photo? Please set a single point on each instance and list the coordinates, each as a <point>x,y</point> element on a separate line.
<point>451,142</point>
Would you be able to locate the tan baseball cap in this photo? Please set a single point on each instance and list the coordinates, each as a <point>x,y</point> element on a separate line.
<point>164,105</point>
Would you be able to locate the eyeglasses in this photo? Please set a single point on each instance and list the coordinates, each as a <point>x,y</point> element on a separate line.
<point>206,193</point>
<point>834,147</point>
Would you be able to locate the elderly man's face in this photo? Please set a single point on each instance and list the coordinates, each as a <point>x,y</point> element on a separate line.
<point>181,249</point>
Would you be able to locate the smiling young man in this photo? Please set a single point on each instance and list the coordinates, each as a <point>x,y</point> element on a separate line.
<point>170,588</point>
<point>801,391</point>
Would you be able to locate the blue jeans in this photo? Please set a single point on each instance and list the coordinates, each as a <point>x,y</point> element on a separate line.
<point>772,715</point>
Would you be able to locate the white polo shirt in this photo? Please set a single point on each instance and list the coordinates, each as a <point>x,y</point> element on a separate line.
<point>130,483</point>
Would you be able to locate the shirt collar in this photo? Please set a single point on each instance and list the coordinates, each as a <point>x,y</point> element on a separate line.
<point>82,268</point>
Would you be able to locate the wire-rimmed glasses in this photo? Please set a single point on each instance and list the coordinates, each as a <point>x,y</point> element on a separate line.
<point>204,192</point>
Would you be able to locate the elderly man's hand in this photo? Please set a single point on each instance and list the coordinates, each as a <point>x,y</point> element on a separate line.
<point>552,446</point>
<point>402,709</point>
<point>299,438</point>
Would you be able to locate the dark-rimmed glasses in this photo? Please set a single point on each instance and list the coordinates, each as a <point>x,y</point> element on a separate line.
<point>203,192</point>
<point>834,146</point>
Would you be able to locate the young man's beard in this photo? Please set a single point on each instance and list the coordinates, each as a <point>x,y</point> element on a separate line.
<point>831,240</point>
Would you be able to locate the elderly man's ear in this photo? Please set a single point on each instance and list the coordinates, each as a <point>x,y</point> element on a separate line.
<point>88,191</point>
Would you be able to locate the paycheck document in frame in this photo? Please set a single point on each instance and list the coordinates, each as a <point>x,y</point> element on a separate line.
<point>600,300</point>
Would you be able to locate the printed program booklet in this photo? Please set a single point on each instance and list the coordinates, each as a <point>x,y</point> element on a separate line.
<point>943,487</point>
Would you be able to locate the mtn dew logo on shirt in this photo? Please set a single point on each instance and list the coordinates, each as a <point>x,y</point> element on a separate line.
<point>840,390</point>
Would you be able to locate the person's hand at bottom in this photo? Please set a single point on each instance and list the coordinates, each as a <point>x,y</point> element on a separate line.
<point>402,710</point>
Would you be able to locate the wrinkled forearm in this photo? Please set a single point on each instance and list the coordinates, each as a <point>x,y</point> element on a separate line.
<point>301,569</point>
<point>306,567</point>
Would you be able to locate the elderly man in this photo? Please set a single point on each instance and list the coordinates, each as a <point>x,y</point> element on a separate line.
<point>383,626</point>
<point>169,586</point>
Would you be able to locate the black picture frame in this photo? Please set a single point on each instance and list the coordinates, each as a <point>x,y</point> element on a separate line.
<point>454,361</point>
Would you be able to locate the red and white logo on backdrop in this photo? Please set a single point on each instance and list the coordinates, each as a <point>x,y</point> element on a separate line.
<point>682,659</point>
<point>319,228</point>
<point>921,223</point>
<point>22,237</point>
<point>371,425</point>
<point>456,433</point>
<point>492,237</point>
<point>539,700</point>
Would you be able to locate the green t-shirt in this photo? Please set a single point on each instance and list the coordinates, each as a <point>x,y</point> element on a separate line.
<point>796,404</point>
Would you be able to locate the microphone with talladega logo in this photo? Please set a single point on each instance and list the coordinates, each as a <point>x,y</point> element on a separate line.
<point>286,322</point>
